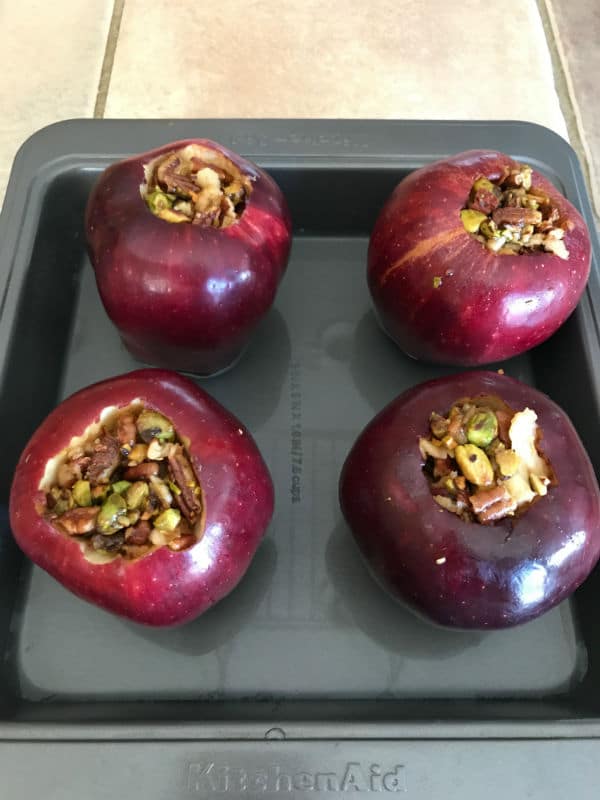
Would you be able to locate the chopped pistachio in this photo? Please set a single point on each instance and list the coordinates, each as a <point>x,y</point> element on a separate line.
<point>168,520</point>
<point>133,517</point>
<point>82,494</point>
<point>159,201</point>
<point>489,229</point>
<point>450,485</point>
<point>508,462</point>
<point>152,425</point>
<point>472,219</point>
<point>136,494</point>
<point>172,216</point>
<point>482,428</point>
<point>112,516</point>
<point>437,282</point>
<point>474,464</point>
<point>64,503</point>
<point>484,185</point>
<point>121,486</point>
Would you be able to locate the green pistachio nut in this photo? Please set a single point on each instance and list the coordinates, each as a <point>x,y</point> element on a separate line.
<point>474,464</point>
<point>82,494</point>
<point>483,185</point>
<point>152,425</point>
<point>136,495</point>
<point>482,428</point>
<point>168,520</point>
<point>121,486</point>
<point>113,515</point>
<point>472,219</point>
<point>158,201</point>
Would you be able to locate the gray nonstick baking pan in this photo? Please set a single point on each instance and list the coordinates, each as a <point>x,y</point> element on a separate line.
<point>307,681</point>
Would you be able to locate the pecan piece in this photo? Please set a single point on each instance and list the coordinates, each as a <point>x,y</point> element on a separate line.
<point>492,504</point>
<point>78,521</point>
<point>138,534</point>
<point>104,461</point>
<point>183,476</point>
<point>197,164</point>
<point>72,471</point>
<point>484,200</point>
<point>517,216</point>
<point>504,419</point>
<point>140,471</point>
<point>111,544</point>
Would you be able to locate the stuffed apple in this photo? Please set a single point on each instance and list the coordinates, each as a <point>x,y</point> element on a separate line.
<point>472,499</point>
<point>188,243</point>
<point>475,259</point>
<point>143,495</point>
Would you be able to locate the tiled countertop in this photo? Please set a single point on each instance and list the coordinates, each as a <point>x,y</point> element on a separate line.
<point>386,59</point>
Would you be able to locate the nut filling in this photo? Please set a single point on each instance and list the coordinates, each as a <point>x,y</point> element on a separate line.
<point>482,460</point>
<point>196,185</point>
<point>511,216</point>
<point>127,490</point>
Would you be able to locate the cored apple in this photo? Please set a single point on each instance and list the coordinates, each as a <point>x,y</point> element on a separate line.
<point>473,500</point>
<point>475,259</point>
<point>143,495</point>
<point>189,243</point>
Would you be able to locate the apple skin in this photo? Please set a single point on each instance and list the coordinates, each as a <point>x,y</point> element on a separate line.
<point>184,296</point>
<point>462,574</point>
<point>489,306</point>
<point>165,587</point>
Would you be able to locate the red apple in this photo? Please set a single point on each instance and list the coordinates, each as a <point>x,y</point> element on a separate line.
<point>155,581</point>
<point>451,296</point>
<point>189,243</point>
<point>457,572</point>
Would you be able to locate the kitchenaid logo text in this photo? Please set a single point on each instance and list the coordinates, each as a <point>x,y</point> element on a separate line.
<point>210,777</point>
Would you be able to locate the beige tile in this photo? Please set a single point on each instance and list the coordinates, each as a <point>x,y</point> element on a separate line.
<point>385,58</point>
<point>50,64</point>
<point>576,24</point>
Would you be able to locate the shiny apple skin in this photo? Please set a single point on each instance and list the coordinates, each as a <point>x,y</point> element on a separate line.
<point>165,587</point>
<point>461,574</point>
<point>182,296</point>
<point>488,307</point>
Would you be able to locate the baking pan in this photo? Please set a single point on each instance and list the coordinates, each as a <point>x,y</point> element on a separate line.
<point>307,680</point>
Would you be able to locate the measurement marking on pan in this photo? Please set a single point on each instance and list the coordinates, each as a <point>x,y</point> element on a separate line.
<point>213,778</point>
<point>296,447</point>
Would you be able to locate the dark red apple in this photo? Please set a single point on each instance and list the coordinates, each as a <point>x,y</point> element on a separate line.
<point>457,572</point>
<point>189,243</point>
<point>450,295</point>
<point>164,581</point>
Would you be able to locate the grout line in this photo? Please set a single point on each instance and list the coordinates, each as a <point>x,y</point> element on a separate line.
<point>109,58</point>
<point>568,98</point>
